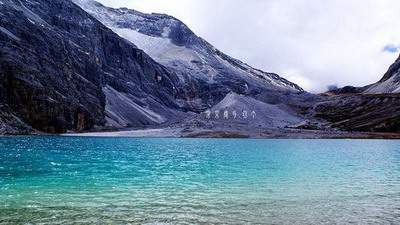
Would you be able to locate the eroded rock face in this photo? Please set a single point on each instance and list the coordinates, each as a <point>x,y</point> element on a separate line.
<point>55,60</point>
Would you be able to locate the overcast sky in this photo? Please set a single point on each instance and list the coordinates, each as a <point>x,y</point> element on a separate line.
<point>314,43</point>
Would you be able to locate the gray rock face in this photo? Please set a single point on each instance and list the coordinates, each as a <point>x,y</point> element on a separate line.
<point>125,110</point>
<point>209,77</point>
<point>390,83</point>
<point>208,74</point>
<point>56,60</point>
<point>63,70</point>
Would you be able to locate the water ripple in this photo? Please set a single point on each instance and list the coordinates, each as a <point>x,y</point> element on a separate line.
<point>57,180</point>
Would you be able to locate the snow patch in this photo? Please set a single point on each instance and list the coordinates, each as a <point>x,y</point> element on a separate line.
<point>165,52</point>
<point>161,49</point>
<point>166,32</point>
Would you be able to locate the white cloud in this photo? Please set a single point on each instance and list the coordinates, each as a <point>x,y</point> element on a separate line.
<point>324,41</point>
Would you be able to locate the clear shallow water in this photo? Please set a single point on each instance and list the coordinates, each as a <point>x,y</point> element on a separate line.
<point>193,181</point>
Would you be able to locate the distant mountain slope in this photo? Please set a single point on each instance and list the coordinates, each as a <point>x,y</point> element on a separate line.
<point>209,74</point>
<point>390,83</point>
<point>61,69</point>
<point>361,112</point>
<point>375,107</point>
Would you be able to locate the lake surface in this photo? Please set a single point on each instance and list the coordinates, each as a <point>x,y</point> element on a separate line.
<point>70,180</point>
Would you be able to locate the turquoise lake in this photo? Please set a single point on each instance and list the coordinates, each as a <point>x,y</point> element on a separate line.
<point>68,180</point>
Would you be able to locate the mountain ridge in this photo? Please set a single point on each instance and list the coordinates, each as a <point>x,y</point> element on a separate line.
<point>209,75</point>
<point>201,57</point>
<point>63,70</point>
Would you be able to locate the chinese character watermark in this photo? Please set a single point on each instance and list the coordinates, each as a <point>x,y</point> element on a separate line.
<point>227,114</point>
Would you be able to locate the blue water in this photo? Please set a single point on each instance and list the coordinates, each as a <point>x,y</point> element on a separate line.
<point>65,180</point>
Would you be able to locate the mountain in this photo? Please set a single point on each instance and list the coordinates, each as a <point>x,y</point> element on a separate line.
<point>361,112</point>
<point>208,73</point>
<point>375,107</point>
<point>61,70</point>
<point>209,76</point>
<point>390,83</point>
<point>73,66</point>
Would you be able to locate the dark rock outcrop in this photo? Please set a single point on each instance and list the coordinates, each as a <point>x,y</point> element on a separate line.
<point>11,124</point>
<point>346,90</point>
<point>362,112</point>
<point>55,60</point>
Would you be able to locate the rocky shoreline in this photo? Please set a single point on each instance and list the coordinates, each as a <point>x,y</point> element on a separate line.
<point>253,134</point>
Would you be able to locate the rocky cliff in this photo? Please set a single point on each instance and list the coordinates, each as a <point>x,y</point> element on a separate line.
<point>209,74</point>
<point>60,68</point>
<point>63,70</point>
